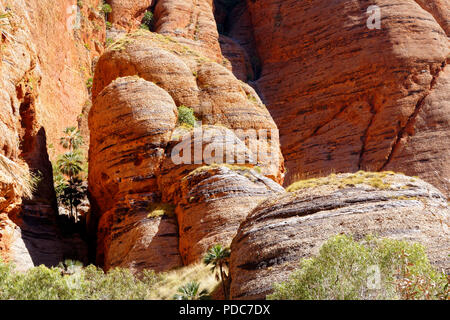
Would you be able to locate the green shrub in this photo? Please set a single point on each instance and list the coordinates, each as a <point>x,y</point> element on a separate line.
<point>346,269</point>
<point>91,283</point>
<point>109,42</point>
<point>147,21</point>
<point>89,83</point>
<point>106,8</point>
<point>186,116</point>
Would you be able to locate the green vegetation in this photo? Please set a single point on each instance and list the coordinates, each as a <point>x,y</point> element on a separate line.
<point>106,9</point>
<point>89,83</point>
<point>144,27</point>
<point>370,269</point>
<point>170,282</point>
<point>69,172</point>
<point>191,291</point>
<point>378,180</point>
<point>186,116</point>
<point>70,281</point>
<point>147,21</point>
<point>219,256</point>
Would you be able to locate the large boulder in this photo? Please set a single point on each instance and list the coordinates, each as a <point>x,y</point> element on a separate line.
<point>192,80</point>
<point>286,228</point>
<point>131,122</point>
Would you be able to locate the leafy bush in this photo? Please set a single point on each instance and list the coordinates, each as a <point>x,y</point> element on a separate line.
<point>147,21</point>
<point>346,269</point>
<point>186,116</point>
<point>106,8</point>
<point>76,283</point>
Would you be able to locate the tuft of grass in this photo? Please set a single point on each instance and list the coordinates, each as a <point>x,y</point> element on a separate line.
<point>214,166</point>
<point>374,179</point>
<point>161,209</point>
<point>24,181</point>
<point>173,280</point>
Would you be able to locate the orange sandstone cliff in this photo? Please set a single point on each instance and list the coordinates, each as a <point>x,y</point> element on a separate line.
<point>332,95</point>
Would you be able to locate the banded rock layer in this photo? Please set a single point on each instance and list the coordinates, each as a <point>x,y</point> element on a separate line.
<point>286,228</point>
<point>346,97</point>
<point>139,82</point>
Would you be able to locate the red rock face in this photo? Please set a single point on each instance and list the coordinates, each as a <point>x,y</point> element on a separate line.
<point>192,23</point>
<point>131,121</point>
<point>211,90</point>
<point>346,97</point>
<point>284,229</point>
<point>128,14</point>
<point>133,136</point>
<point>46,57</point>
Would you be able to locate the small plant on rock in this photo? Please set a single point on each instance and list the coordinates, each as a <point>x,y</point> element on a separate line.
<point>186,116</point>
<point>191,291</point>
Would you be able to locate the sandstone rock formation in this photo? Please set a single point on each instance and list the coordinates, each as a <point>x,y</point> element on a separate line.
<point>192,80</point>
<point>286,228</point>
<point>130,171</point>
<point>46,56</point>
<point>128,14</point>
<point>214,202</point>
<point>191,22</point>
<point>346,97</point>
<point>131,121</point>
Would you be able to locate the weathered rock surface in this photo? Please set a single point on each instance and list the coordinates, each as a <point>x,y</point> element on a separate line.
<point>286,228</point>
<point>192,23</point>
<point>212,200</point>
<point>211,90</point>
<point>238,57</point>
<point>131,122</point>
<point>232,116</point>
<point>345,96</point>
<point>128,14</point>
<point>46,57</point>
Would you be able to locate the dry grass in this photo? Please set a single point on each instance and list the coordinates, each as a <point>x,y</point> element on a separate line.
<point>11,173</point>
<point>161,209</point>
<point>232,167</point>
<point>172,280</point>
<point>376,180</point>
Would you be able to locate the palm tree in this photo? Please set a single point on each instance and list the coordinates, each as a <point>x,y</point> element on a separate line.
<point>70,164</point>
<point>72,139</point>
<point>73,194</point>
<point>218,257</point>
<point>191,291</point>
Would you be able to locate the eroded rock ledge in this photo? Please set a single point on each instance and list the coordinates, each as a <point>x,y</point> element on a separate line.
<point>291,226</point>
